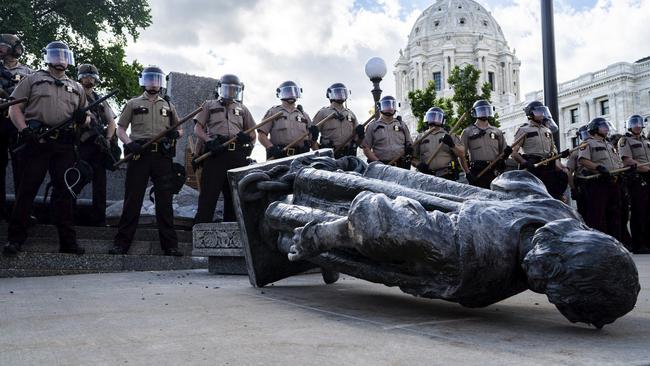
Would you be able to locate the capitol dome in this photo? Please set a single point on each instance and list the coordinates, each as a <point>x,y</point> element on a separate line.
<point>453,33</point>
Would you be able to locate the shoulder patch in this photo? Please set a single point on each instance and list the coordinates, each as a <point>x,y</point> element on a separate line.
<point>622,141</point>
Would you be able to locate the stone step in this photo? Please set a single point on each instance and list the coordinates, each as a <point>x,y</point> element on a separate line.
<point>99,233</point>
<point>54,264</point>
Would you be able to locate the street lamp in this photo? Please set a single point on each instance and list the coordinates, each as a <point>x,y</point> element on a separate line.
<point>376,70</point>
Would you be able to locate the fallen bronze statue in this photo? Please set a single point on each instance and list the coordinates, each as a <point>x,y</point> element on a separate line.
<point>429,236</point>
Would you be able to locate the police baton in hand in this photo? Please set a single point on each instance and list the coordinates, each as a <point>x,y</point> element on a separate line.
<point>343,145</point>
<point>557,156</point>
<point>159,136</point>
<point>416,143</point>
<point>67,122</point>
<point>435,153</point>
<point>8,104</point>
<point>302,138</point>
<point>615,171</point>
<point>265,121</point>
<point>495,161</point>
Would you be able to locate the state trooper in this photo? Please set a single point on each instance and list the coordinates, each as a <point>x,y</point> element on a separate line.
<point>95,142</point>
<point>388,138</point>
<point>294,123</point>
<point>634,149</point>
<point>538,145</point>
<point>576,172</point>
<point>484,143</point>
<point>11,73</point>
<point>220,120</point>
<point>602,195</point>
<point>445,163</point>
<point>53,99</point>
<point>337,131</point>
<point>148,115</point>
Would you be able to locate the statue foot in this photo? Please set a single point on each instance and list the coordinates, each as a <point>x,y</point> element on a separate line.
<point>304,245</point>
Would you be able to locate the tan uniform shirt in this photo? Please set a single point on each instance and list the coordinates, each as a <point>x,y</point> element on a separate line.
<point>21,70</point>
<point>224,119</point>
<point>335,132</point>
<point>635,147</point>
<point>387,140</point>
<point>601,152</point>
<point>538,141</point>
<point>146,118</point>
<point>285,129</point>
<point>51,101</point>
<point>483,147</point>
<point>429,145</point>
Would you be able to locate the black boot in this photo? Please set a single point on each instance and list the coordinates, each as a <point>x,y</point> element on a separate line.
<point>11,249</point>
<point>329,277</point>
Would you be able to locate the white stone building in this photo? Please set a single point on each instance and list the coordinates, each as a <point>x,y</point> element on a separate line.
<point>456,33</point>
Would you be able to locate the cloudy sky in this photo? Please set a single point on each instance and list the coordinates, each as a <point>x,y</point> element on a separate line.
<point>319,42</point>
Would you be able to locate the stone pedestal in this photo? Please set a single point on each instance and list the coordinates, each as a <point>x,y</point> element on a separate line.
<point>221,243</point>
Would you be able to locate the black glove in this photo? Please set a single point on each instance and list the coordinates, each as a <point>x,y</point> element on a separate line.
<point>215,147</point>
<point>313,130</point>
<point>565,153</point>
<point>274,151</point>
<point>506,152</point>
<point>423,168</point>
<point>529,165</point>
<point>632,168</point>
<point>173,134</point>
<point>28,136</point>
<point>408,150</point>
<point>500,165</point>
<point>243,138</point>
<point>603,170</point>
<point>360,131</point>
<point>79,117</point>
<point>447,140</point>
<point>134,147</point>
<point>471,179</point>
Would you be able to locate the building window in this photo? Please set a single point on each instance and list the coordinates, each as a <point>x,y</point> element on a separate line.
<point>604,107</point>
<point>485,23</point>
<point>491,80</point>
<point>574,141</point>
<point>462,21</point>
<point>437,79</point>
<point>575,116</point>
<point>412,84</point>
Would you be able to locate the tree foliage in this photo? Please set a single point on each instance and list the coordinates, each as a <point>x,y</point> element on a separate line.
<point>465,84</point>
<point>96,30</point>
<point>422,100</point>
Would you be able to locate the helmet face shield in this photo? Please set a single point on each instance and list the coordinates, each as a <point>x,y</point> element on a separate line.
<point>152,80</point>
<point>289,92</point>
<point>91,75</point>
<point>388,106</point>
<point>337,94</point>
<point>58,56</point>
<point>483,111</point>
<point>635,121</point>
<point>551,125</point>
<point>604,128</point>
<point>230,91</point>
<point>434,118</point>
<point>583,134</point>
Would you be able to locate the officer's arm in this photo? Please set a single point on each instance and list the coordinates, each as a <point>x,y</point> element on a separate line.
<point>369,154</point>
<point>122,135</point>
<point>175,121</point>
<point>459,151</point>
<point>588,164</point>
<point>515,151</point>
<point>199,131</point>
<point>628,161</point>
<point>264,139</point>
<point>17,116</point>
<point>123,124</point>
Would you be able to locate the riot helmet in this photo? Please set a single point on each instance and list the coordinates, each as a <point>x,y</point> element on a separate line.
<point>387,105</point>
<point>600,126</point>
<point>536,111</point>
<point>152,77</point>
<point>229,87</point>
<point>288,91</point>
<point>88,70</point>
<point>482,109</point>
<point>635,121</point>
<point>13,44</point>
<point>582,134</point>
<point>435,116</point>
<point>337,92</point>
<point>58,55</point>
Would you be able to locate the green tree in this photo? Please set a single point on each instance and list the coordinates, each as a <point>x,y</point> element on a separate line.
<point>96,30</point>
<point>465,84</point>
<point>422,100</point>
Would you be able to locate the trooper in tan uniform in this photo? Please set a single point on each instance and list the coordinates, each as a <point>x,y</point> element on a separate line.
<point>94,140</point>
<point>220,120</point>
<point>11,73</point>
<point>388,138</point>
<point>148,115</point>
<point>484,143</point>
<point>52,99</point>
<point>576,172</point>
<point>634,149</point>
<point>604,194</point>
<point>294,123</point>
<point>335,132</point>
<point>539,145</point>
<point>445,163</point>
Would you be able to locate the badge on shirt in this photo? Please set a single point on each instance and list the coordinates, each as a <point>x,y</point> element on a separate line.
<point>299,118</point>
<point>396,128</point>
<point>548,134</point>
<point>493,135</point>
<point>349,118</point>
<point>237,111</point>
<point>69,89</point>
<point>621,142</point>
<point>163,112</point>
<point>17,77</point>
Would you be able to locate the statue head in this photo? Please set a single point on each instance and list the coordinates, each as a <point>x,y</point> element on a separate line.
<point>589,276</point>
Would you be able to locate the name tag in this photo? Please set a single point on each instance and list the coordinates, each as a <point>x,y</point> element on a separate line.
<point>141,110</point>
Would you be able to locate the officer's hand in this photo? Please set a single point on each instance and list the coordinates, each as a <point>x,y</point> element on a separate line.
<point>565,154</point>
<point>274,151</point>
<point>28,136</point>
<point>243,138</point>
<point>500,165</point>
<point>313,130</point>
<point>423,167</point>
<point>447,140</point>
<point>172,135</point>
<point>632,168</point>
<point>360,131</point>
<point>134,147</point>
<point>529,165</point>
<point>603,170</point>
<point>506,152</point>
<point>215,147</point>
<point>80,118</point>
<point>408,150</point>
<point>195,165</point>
<point>471,179</point>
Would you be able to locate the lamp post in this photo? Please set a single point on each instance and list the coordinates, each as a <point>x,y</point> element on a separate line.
<point>550,74</point>
<point>375,70</point>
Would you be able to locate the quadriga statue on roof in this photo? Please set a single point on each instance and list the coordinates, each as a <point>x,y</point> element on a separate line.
<point>431,237</point>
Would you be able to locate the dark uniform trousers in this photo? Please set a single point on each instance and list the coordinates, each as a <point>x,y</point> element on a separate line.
<point>603,205</point>
<point>639,191</point>
<point>555,181</point>
<point>297,149</point>
<point>92,154</point>
<point>55,158</point>
<point>8,136</point>
<point>214,182</point>
<point>476,167</point>
<point>154,165</point>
